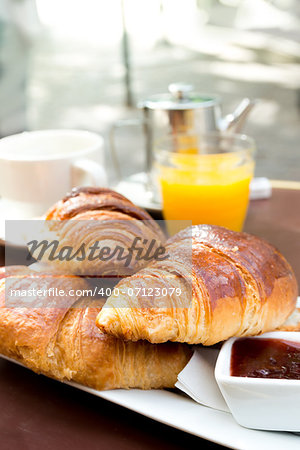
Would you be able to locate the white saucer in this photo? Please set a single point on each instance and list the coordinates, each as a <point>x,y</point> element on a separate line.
<point>18,241</point>
<point>135,188</point>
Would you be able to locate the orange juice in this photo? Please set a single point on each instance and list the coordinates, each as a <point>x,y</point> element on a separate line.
<point>208,188</point>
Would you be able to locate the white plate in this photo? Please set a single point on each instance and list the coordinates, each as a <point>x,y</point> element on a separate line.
<point>13,215</point>
<point>178,411</point>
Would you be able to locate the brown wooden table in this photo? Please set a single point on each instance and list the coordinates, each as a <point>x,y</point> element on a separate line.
<point>278,220</point>
<point>39,413</point>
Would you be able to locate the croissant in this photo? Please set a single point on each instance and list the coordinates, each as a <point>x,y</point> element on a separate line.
<point>226,284</point>
<point>57,336</point>
<point>89,217</point>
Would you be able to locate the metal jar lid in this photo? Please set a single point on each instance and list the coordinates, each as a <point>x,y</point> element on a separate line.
<point>180,96</point>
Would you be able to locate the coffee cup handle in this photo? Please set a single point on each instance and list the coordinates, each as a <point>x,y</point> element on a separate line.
<point>87,172</point>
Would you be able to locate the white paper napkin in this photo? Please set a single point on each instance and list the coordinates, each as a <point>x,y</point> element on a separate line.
<point>197,379</point>
<point>260,188</point>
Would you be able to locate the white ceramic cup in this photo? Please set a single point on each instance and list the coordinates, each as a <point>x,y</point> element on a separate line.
<point>38,168</point>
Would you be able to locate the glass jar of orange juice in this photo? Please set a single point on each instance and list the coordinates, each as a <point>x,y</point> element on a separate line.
<point>205,178</point>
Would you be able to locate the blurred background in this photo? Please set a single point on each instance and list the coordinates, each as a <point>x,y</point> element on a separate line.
<point>86,63</point>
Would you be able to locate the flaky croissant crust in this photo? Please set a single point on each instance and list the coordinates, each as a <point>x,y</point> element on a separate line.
<point>232,284</point>
<point>87,199</point>
<point>90,215</point>
<point>60,339</point>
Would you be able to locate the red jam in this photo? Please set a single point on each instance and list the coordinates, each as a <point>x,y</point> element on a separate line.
<point>265,358</point>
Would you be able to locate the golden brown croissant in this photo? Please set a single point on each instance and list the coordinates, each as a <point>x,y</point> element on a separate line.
<point>231,284</point>
<point>57,336</point>
<point>100,217</point>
